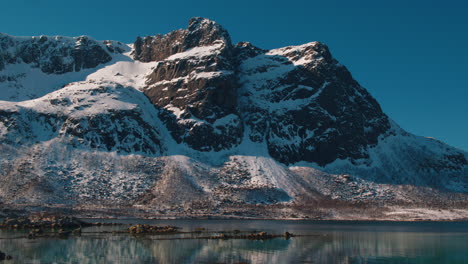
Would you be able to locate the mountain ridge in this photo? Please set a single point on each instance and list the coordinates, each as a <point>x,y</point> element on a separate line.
<point>188,120</point>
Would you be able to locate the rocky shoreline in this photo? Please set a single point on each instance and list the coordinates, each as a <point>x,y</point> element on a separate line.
<point>42,221</point>
<point>47,226</point>
<point>338,212</point>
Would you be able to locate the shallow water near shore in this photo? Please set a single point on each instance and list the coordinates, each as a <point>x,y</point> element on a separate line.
<point>326,242</point>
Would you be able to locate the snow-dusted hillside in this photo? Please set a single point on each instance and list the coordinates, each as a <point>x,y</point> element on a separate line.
<point>187,121</point>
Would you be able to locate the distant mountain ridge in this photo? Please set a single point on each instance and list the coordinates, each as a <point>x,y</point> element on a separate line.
<point>188,122</point>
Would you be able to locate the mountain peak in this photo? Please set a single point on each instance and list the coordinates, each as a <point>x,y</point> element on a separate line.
<point>206,31</point>
<point>200,32</point>
<point>199,22</point>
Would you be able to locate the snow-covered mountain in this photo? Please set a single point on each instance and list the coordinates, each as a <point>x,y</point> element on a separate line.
<point>189,122</point>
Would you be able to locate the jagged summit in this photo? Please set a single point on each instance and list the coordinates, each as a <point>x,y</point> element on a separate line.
<point>188,120</point>
<point>203,31</point>
<point>200,32</point>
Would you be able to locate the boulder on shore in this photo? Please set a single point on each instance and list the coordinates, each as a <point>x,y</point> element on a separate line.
<point>151,229</point>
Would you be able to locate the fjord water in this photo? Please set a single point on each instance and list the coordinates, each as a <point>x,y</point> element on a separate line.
<point>329,242</point>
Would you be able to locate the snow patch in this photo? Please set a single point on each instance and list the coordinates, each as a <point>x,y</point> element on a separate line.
<point>198,52</point>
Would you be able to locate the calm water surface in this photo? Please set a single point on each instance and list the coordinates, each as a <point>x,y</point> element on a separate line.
<point>332,242</point>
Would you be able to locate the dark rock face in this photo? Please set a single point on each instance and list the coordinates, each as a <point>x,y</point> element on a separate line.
<point>2,62</point>
<point>57,54</point>
<point>195,84</point>
<point>299,100</point>
<point>313,110</point>
<point>120,131</point>
<point>25,123</point>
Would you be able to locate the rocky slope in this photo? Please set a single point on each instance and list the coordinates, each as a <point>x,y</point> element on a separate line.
<point>188,122</point>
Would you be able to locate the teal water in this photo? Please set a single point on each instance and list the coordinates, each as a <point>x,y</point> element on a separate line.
<point>330,242</point>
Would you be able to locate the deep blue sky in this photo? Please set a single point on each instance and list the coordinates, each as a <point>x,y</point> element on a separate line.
<point>411,55</point>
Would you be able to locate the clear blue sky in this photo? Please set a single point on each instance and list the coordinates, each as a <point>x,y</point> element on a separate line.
<point>411,55</point>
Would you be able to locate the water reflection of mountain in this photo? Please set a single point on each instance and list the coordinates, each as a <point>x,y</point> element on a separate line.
<point>126,249</point>
<point>338,247</point>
